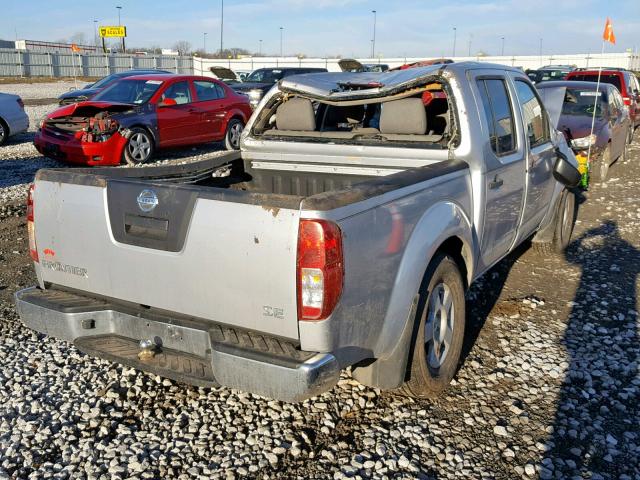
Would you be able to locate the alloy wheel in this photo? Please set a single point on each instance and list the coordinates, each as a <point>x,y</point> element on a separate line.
<point>139,147</point>
<point>439,325</point>
<point>234,134</point>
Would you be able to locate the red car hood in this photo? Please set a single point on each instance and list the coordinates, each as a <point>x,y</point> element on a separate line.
<point>89,108</point>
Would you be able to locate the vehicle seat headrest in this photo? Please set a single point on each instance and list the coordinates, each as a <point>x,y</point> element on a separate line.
<point>406,117</point>
<point>296,114</point>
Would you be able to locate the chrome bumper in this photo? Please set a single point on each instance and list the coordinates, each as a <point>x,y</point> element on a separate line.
<point>192,351</point>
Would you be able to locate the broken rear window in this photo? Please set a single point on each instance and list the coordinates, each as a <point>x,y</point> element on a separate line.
<point>420,116</point>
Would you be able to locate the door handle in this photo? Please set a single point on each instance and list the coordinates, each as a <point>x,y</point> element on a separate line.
<point>496,183</point>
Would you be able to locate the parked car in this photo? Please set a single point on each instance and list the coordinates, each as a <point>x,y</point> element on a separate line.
<point>225,75</point>
<point>571,105</point>
<point>13,119</point>
<point>546,75</point>
<point>134,116</point>
<point>624,80</point>
<point>261,80</point>
<point>89,91</point>
<point>326,243</point>
<point>352,65</point>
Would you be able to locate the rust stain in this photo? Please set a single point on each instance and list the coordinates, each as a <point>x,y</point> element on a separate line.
<point>274,210</point>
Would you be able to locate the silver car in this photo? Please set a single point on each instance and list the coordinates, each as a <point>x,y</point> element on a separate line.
<point>13,118</point>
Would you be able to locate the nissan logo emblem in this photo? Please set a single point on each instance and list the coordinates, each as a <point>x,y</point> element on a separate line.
<point>147,200</point>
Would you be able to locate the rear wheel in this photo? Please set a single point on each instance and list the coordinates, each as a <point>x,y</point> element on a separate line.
<point>600,169</point>
<point>441,320</point>
<point>139,147</point>
<point>564,221</point>
<point>4,132</point>
<point>232,136</point>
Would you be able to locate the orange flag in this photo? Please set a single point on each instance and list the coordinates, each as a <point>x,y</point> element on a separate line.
<point>608,34</point>
<point>75,48</point>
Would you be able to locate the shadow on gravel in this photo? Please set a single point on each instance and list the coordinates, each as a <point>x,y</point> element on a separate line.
<point>596,425</point>
<point>484,296</point>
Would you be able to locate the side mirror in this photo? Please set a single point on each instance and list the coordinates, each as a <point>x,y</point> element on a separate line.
<point>167,102</point>
<point>564,172</point>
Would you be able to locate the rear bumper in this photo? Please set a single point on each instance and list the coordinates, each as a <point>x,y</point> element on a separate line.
<point>78,152</point>
<point>187,350</point>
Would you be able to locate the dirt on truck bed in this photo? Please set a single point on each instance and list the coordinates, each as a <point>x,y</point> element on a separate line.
<point>549,387</point>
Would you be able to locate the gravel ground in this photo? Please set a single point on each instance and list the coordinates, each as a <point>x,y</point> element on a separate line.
<point>549,388</point>
<point>40,90</point>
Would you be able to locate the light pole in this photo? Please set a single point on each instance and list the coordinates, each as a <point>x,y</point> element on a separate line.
<point>281,28</point>
<point>502,51</point>
<point>204,43</point>
<point>373,41</point>
<point>470,39</point>
<point>260,48</point>
<point>221,26</point>
<point>454,42</point>
<point>95,32</point>
<point>540,52</point>
<point>120,24</point>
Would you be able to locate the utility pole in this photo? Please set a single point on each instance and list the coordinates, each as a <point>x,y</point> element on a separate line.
<point>281,28</point>
<point>221,27</point>
<point>119,7</point>
<point>470,39</point>
<point>502,51</point>
<point>373,41</point>
<point>260,48</point>
<point>454,42</point>
<point>95,32</point>
<point>204,43</point>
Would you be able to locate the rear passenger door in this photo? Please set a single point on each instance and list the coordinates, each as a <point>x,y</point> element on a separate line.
<point>540,157</point>
<point>212,106</point>
<point>503,179</point>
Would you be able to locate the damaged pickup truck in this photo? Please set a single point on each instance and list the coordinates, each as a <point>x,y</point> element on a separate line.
<point>136,115</point>
<point>343,235</point>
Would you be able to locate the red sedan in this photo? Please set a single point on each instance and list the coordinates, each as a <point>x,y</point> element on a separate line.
<point>135,116</point>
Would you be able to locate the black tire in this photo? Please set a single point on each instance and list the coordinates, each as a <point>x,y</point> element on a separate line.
<point>4,132</point>
<point>139,147</point>
<point>232,135</point>
<point>599,169</point>
<point>564,220</point>
<point>430,369</point>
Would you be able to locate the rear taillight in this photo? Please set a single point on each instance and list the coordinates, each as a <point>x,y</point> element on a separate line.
<point>31,226</point>
<point>21,103</point>
<point>320,268</point>
<point>627,101</point>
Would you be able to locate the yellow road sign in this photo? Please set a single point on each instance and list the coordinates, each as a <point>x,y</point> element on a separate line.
<point>110,31</point>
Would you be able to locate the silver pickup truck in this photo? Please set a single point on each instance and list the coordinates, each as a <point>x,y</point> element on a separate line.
<point>343,235</point>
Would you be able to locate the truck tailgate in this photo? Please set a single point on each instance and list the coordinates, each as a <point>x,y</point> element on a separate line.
<point>179,248</point>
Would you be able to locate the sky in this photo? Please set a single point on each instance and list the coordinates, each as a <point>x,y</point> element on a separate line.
<point>412,28</point>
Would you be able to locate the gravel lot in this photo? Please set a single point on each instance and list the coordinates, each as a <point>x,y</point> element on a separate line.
<point>40,90</point>
<point>550,386</point>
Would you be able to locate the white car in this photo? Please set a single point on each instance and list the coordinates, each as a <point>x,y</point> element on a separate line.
<point>13,118</point>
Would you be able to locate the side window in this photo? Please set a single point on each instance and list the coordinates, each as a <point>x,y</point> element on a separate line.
<point>221,92</point>
<point>533,115</point>
<point>179,92</point>
<point>207,90</point>
<point>497,109</point>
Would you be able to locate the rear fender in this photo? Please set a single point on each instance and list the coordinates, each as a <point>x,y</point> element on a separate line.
<point>439,223</point>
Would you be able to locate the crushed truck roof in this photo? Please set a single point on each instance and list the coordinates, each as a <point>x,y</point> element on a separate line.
<point>338,86</point>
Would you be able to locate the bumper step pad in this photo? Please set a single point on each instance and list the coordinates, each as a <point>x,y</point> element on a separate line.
<point>166,363</point>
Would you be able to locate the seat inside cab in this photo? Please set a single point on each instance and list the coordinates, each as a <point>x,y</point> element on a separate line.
<point>422,117</point>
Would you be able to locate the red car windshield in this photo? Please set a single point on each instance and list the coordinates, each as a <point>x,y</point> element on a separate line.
<point>129,91</point>
<point>613,79</point>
